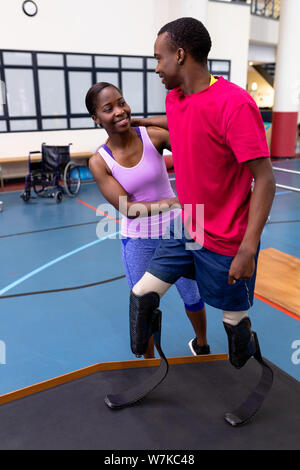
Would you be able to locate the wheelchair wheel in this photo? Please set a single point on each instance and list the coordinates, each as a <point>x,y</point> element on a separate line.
<point>58,196</point>
<point>25,196</point>
<point>72,181</point>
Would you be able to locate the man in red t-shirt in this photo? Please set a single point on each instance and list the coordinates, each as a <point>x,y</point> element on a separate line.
<point>219,146</point>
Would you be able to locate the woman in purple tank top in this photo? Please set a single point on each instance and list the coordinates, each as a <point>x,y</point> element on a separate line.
<point>130,169</point>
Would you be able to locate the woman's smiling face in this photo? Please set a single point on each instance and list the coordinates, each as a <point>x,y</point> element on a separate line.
<point>112,111</point>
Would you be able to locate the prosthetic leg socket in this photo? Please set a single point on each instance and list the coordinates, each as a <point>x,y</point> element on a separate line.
<point>144,320</point>
<point>241,342</point>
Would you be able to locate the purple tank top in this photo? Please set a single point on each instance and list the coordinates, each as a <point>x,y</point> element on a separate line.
<point>147,181</point>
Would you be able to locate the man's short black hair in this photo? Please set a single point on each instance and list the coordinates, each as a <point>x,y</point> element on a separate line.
<point>190,35</point>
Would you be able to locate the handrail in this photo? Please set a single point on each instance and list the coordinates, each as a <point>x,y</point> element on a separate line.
<point>286,170</point>
<point>265,8</point>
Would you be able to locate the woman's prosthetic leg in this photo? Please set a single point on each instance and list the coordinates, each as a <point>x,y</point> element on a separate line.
<point>243,344</point>
<point>145,321</point>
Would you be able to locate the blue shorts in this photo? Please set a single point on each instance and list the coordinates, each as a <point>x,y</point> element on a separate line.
<point>172,260</point>
<point>137,254</point>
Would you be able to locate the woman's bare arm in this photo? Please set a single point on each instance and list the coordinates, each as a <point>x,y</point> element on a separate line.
<point>116,195</point>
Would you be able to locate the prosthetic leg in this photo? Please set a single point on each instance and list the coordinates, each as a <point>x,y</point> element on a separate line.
<point>145,320</point>
<point>243,344</point>
<point>240,342</point>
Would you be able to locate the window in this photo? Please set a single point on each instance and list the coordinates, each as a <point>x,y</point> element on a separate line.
<point>155,94</point>
<point>46,90</point>
<point>133,90</point>
<point>52,92</point>
<point>220,68</point>
<point>79,83</point>
<point>20,92</point>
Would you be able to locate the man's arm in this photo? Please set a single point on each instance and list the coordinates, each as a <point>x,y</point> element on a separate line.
<point>159,121</point>
<point>160,138</point>
<point>242,266</point>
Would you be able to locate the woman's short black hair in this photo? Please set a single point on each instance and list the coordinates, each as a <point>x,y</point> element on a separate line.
<point>190,35</point>
<point>92,95</point>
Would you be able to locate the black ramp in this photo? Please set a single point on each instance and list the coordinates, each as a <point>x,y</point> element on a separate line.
<point>185,412</point>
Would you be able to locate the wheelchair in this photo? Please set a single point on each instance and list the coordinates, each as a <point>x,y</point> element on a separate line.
<point>54,175</point>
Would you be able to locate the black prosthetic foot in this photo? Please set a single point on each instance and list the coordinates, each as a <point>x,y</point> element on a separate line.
<point>241,342</point>
<point>145,321</point>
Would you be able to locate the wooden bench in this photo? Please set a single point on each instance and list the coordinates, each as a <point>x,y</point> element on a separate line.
<point>17,167</point>
<point>22,171</point>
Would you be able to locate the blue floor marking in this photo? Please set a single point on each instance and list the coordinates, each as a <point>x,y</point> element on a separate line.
<point>51,263</point>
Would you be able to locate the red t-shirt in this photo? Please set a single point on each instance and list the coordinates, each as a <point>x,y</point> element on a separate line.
<point>213,133</point>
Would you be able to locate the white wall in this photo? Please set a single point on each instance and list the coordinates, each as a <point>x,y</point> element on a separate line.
<point>193,8</point>
<point>229,27</point>
<point>93,26</point>
<point>264,31</point>
<point>110,27</point>
<point>261,53</point>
